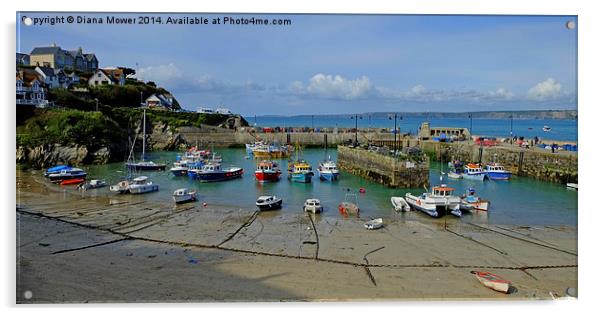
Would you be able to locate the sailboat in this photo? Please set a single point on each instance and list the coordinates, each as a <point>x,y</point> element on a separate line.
<point>142,164</point>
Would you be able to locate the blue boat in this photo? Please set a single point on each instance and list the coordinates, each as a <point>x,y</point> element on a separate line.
<point>212,172</point>
<point>473,172</point>
<point>56,169</point>
<point>495,171</point>
<point>300,171</point>
<point>328,171</point>
<point>193,169</point>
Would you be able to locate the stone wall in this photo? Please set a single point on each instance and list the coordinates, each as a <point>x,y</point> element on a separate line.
<point>546,166</point>
<point>382,169</point>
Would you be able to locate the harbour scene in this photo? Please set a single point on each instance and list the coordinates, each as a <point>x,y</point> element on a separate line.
<point>173,200</point>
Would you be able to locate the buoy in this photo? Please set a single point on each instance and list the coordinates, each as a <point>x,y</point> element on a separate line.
<point>362,190</point>
<point>204,204</point>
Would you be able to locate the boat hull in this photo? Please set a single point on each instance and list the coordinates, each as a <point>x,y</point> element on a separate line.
<point>503,175</point>
<point>474,176</point>
<point>222,175</point>
<point>267,176</point>
<point>399,204</point>
<point>72,181</point>
<point>269,206</point>
<point>141,189</point>
<point>137,167</point>
<point>301,177</point>
<point>328,176</point>
<point>181,199</point>
<point>433,210</point>
<point>179,172</point>
<point>59,178</point>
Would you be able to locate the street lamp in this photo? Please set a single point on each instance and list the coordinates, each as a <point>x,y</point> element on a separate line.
<point>141,102</point>
<point>470,117</point>
<point>511,130</point>
<point>394,118</point>
<point>356,116</point>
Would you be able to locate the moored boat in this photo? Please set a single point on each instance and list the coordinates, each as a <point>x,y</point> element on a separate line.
<point>328,170</point>
<point>473,171</point>
<point>546,128</point>
<point>399,204</point>
<point>496,171</point>
<point>268,202</point>
<point>470,201</point>
<point>213,172</point>
<point>374,224</point>
<point>312,205</point>
<point>72,181</point>
<point>267,171</point>
<point>120,187</point>
<point>454,175</point>
<point>437,203</point>
<point>300,171</point>
<point>144,165</point>
<point>573,186</point>
<point>66,174</point>
<point>492,281</point>
<point>56,169</point>
<point>142,185</point>
<point>92,184</point>
<point>183,196</point>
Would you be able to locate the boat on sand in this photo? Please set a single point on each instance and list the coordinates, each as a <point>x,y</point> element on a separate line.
<point>400,204</point>
<point>374,224</point>
<point>492,281</point>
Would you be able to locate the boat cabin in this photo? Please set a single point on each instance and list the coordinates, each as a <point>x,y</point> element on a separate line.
<point>140,180</point>
<point>266,166</point>
<point>266,199</point>
<point>495,167</point>
<point>312,202</point>
<point>181,192</point>
<point>211,167</point>
<point>443,191</point>
<point>473,168</point>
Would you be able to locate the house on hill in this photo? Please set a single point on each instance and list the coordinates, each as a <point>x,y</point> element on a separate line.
<point>107,76</point>
<point>160,102</point>
<point>56,57</point>
<point>29,89</point>
<point>22,59</point>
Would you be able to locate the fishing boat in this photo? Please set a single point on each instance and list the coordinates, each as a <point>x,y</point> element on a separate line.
<point>179,169</point>
<point>374,224</point>
<point>470,201</point>
<point>92,184</point>
<point>194,168</point>
<point>437,203</point>
<point>312,205</point>
<point>267,171</point>
<point>350,205</point>
<point>269,151</point>
<point>492,281</point>
<point>56,169</point>
<point>399,204</point>
<point>328,171</point>
<point>66,174</point>
<point>473,171</point>
<point>300,171</point>
<point>121,187</point>
<point>213,172</point>
<point>72,181</point>
<point>268,202</point>
<point>573,186</point>
<point>144,165</point>
<point>495,171</point>
<point>183,196</point>
<point>142,185</point>
<point>546,128</point>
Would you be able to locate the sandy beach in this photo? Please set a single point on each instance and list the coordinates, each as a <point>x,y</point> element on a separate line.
<point>74,248</point>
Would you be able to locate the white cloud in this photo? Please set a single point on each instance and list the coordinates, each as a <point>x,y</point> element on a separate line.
<point>545,90</point>
<point>336,87</point>
<point>418,89</point>
<point>161,73</point>
<point>502,93</point>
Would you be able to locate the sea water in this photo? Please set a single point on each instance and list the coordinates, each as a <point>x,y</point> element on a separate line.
<point>520,201</point>
<point>562,130</point>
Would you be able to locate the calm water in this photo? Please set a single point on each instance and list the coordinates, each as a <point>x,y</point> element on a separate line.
<point>520,201</point>
<point>561,129</point>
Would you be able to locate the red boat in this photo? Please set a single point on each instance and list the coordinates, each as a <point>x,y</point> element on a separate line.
<point>267,171</point>
<point>72,181</point>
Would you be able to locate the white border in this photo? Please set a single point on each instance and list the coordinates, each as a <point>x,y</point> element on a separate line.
<point>589,66</point>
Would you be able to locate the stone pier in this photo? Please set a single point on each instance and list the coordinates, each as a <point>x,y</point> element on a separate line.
<point>386,170</point>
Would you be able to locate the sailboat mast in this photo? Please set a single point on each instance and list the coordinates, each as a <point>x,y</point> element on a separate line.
<point>143,133</point>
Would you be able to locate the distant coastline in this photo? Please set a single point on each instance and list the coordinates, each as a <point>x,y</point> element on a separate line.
<point>527,114</point>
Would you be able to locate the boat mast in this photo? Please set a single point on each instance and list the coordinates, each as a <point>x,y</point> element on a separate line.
<point>143,133</point>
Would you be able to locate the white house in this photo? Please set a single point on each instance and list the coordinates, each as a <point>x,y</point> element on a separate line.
<point>161,101</point>
<point>49,76</point>
<point>29,90</point>
<point>107,76</point>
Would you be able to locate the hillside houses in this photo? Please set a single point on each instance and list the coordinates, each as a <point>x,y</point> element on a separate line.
<point>56,57</point>
<point>110,76</point>
<point>29,90</point>
<point>160,101</point>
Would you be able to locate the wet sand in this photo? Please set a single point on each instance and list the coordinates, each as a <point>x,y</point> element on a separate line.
<point>120,248</point>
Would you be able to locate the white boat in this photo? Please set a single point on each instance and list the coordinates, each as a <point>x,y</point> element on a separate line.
<point>93,184</point>
<point>374,224</point>
<point>312,205</point>
<point>268,202</point>
<point>328,170</point>
<point>492,281</point>
<point>453,175</point>
<point>121,187</point>
<point>183,196</point>
<point>571,186</point>
<point>437,203</point>
<point>471,202</point>
<point>141,185</point>
<point>546,128</point>
<point>142,164</point>
<point>399,204</point>
<point>473,172</point>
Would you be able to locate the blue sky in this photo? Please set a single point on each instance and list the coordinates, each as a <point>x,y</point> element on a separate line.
<point>340,63</point>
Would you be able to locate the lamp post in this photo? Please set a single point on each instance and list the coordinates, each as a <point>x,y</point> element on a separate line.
<point>141,102</point>
<point>312,123</point>
<point>96,99</point>
<point>395,130</point>
<point>356,116</point>
<point>470,117</point>
<point>511,130</point>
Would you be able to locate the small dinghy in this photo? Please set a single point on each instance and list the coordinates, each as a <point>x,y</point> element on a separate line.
<point>312,205</point>
<point>183,196</point>
<point>268,202</point>
<point>572,186</point>
<point>93,184</point>
<point>72,181</point>
<point>374,224</point>
<point>400,204</point>
<point>492,281</point>
<point>453,175</point>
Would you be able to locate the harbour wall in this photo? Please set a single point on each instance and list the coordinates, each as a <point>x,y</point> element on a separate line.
<point>386,170</point>
<point>546,166</point>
